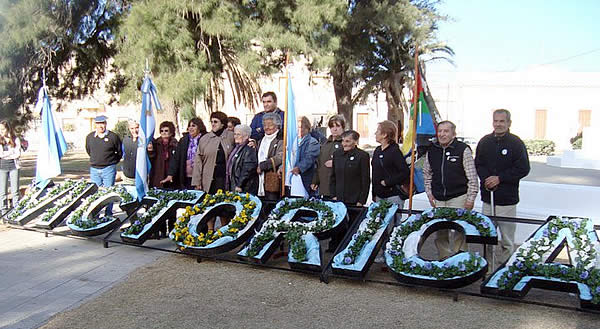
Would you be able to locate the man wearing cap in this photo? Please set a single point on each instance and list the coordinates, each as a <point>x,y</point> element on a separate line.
<point>502,161</point>
<point>104,149</point>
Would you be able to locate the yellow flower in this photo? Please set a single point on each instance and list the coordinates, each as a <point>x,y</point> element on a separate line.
<point>209,241</point>
<point>188,208</point>
<point>219,191</point>
<point>233,230</point>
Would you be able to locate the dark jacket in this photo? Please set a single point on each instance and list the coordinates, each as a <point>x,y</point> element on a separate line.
<point>351,176</point>
<point>129,156</point>
<point>160,165</point>
<point>322,176</point>
<point>448,179</point>
<point>105,151</point>
<point>177,162</point>
<point>308,151</point>
<point>243,171</point>
<point>505,157</point>
<point>390,166</point>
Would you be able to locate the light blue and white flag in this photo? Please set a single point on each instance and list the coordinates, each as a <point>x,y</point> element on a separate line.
<point>147,126</point>
<point>292,133</point>
<point>52,142</point>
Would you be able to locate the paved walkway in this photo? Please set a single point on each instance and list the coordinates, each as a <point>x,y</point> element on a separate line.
<point>43,276</point>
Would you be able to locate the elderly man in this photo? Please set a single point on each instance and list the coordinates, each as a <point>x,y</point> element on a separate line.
<point>501,161</point>
<point>130,144</point>
<point>105,151</point>
<point>269,100</point>
<point>450,180</point>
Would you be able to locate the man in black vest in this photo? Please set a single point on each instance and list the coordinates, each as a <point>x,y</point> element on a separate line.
<point>130,144</point>
<point>501,161</point>
<point>104,148</point>
<point>450,181</point>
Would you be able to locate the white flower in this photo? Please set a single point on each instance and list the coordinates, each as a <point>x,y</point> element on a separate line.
<point>388,246</point>
<point>535,256</point>
<point>583,237</point>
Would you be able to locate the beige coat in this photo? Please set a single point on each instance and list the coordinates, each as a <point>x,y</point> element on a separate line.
<point>206,157</point>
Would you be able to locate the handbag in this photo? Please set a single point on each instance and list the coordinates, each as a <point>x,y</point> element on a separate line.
<point>272,181</point>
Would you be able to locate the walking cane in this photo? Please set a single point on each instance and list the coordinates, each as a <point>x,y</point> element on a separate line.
<point>493,206</point>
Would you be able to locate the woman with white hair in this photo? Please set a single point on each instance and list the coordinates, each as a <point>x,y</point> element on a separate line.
<point>242,162</point>
<point>270,154</point>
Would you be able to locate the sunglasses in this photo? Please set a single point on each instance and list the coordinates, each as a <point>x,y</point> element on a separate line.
<point>215,121</point>
<point>165,131</point>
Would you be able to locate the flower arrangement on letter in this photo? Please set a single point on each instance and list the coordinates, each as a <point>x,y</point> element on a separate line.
<point>88,223</point>
<point>531,258</point>
<point>78,188</point>
<point>402,246</point>
<point>365,235</point>
<point>28,202</point>
<point>294,230</point>
<point>183,236</point>
<point>163,197</point>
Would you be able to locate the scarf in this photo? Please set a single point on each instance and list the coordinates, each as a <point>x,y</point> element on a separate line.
<point>263,152</point>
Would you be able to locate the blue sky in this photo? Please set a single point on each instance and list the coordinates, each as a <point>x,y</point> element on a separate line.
<point>511,35</point>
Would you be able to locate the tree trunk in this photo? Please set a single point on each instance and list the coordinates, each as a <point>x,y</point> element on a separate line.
<point>393,96</point>
<point>168,113</point>
<point>342,85</point>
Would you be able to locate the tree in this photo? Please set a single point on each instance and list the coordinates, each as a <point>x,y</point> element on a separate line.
<point>71,41</point>
<point>378,45</point>
<point>192,46</point>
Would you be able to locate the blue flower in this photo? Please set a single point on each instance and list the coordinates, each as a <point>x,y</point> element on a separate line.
<point>413,265</point>
<point>417,216</point>
<point>427,266</point>
<point>584,275</point>
<point>473,212</point>
<point>446,265</point>
<point>462,267</point>
<point>509,275</point>
<point>485,224</point>
<point>136,223</point>
<point>429,215</point>
<point>554,230</point>
<point>564,271</point>
<point>394,252</point>
<point>460,212</point>
<point>575,225</point>
<point>347,260</point>
<point>355,236</point>
<point>545,233</point>
<point>598,289</point>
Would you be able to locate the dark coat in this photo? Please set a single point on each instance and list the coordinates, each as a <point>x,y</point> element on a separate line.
<point>322,177</point>
<point>389,165</point>
<point>177,162</point>
<point>160,166</point>
<point>351,176</point>
<point>505,157</point>
<point>243,171</point>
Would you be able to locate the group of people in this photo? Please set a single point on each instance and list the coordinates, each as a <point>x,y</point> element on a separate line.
<point>236,157</point>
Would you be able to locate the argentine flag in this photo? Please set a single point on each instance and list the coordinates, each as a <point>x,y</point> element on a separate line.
<point>292,133</point>
<point>147,126</point>
<point>52,142</point>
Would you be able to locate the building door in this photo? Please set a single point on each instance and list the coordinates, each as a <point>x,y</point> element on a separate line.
<point>540,124</point>
<point>362,124</point>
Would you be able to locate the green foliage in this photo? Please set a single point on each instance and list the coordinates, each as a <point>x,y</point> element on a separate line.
<point>539,146</point>
<point>577,141</point>
<point>192,46</point>
<point>70,40</point>
<point>122,129</point>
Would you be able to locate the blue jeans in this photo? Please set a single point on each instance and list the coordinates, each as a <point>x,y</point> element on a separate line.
<point>104,177</point>
<point>14,187</point>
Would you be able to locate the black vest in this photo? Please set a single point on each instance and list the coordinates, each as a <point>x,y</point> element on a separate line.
<point>449,179</point>
<point>129,155</point>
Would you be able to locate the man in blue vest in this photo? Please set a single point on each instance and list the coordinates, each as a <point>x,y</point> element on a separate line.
<point>502,161</point>
<point>450,181</point>
<point>269,100</point>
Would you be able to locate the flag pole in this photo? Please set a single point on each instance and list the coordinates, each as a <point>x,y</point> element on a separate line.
<point>285,113</point>
<point>414,123</point>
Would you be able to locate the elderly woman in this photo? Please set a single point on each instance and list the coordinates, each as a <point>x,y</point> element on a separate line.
<point>211,158</point>
<point>350,180</point>
<point>242,163</point>
<point>181,164</point>
<point>308,151</point>
<point>389,167</point>
<point>160,151</point>
<point>270,153</point>
<point>322,178</point>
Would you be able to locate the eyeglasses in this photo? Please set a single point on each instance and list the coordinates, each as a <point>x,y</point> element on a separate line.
<point>165,131</point>
<point>215,121</point>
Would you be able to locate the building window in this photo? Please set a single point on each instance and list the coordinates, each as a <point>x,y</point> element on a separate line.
<point>540,124</point>
<point>362,124</point>
<point>585,119</point>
